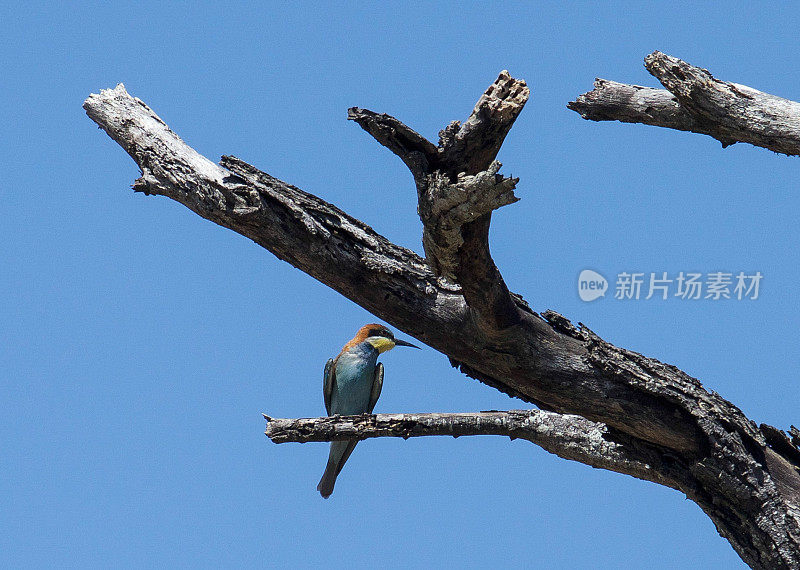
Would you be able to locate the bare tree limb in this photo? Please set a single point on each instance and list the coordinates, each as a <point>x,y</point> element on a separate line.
<point>457,177</point>
<point>568,436</point>
<point>705,445</point>
<point>388,280</point>
<point>612,101</point>
<point>698,102</point>
<point>412,148</point>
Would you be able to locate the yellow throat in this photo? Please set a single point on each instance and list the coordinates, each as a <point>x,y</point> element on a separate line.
<point>382,344</point>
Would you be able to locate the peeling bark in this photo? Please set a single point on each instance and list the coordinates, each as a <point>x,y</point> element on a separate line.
<point>456,301</point>
<point>446,206</point>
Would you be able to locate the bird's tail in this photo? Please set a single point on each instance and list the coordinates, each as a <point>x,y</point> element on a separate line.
<point>328,480</point>
<point>340,451</point>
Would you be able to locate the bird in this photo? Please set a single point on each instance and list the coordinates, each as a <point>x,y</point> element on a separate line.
<point>352,385</point>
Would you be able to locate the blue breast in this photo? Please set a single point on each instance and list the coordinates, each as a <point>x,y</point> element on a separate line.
<point>355,371</point>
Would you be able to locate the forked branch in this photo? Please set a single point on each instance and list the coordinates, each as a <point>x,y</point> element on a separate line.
<point>458,186</point>
<point>654,421</point>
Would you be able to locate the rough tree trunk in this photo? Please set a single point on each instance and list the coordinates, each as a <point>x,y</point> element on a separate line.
<point>600,404</point>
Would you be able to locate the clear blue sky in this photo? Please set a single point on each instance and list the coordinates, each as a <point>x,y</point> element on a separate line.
<point>139,344</point>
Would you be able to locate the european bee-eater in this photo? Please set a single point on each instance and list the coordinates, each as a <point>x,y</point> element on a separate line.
<point>352,385</point>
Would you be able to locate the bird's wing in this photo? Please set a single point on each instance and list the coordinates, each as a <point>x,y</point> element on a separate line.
<point>377,384</point>
<point>329,379</point>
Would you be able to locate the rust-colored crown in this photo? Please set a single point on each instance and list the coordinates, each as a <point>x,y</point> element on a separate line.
<point>364,332</point>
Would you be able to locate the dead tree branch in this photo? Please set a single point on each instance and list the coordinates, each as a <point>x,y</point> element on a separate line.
<point>568,436</point>
<point>458,186</point>
<point>745,479</point>
<point>696,101</point>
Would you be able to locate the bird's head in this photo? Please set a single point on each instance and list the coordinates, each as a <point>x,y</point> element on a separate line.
<point>380,337</point>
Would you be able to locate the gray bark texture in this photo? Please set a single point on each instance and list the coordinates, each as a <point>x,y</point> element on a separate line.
<point>599,404</point>
<point>696,101</point>
<point>568,436</point>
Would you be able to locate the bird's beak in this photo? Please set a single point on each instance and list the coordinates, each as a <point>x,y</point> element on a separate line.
<point>399,342</point>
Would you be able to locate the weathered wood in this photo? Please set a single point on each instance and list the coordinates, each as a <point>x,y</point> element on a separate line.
<point>457,188</point>
<point>568,436</point>
<point>447,206</point>
<point>702,443</point>
<point>698,102</point>
<point>612,101</point>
